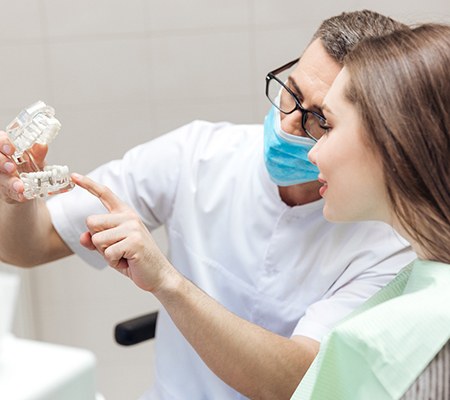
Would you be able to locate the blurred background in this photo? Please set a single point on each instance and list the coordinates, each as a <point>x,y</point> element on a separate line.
<point>120,73</point>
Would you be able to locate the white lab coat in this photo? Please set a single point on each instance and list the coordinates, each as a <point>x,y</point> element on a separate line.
<point>283,268</point>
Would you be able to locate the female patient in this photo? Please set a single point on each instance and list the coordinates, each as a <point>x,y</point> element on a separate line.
<point>386,157</point>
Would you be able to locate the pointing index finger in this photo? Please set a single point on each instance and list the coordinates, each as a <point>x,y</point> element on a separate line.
<point>102,192</point>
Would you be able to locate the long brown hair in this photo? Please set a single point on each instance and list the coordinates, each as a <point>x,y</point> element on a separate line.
<point>401,85</point>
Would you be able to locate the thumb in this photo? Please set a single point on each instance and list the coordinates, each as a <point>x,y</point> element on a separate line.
<point>39,152</point>
<point>86,241</point>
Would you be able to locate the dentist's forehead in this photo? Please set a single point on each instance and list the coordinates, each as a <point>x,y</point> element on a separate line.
<point>335,93</point>
<point>315,73</point>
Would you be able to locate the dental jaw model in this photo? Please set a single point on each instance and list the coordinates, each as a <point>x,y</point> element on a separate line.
<point>37,124</point>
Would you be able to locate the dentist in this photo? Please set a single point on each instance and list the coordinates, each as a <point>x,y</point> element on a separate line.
<point>256,275</point>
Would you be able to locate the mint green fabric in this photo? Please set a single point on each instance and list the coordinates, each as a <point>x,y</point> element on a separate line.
<point>380,349</point>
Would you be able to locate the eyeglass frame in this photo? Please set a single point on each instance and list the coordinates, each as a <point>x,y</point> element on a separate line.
<point>298,106</point>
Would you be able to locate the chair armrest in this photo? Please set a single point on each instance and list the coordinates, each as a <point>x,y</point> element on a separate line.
<point>136,330</point>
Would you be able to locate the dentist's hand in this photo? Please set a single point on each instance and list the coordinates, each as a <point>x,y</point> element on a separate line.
<point>122,239</point>
<point>11,187</point>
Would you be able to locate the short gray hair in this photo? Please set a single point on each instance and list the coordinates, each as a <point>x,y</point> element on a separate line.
<point>341,33</point>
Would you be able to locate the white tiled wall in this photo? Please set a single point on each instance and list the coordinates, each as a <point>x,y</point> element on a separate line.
<point>123,72</point>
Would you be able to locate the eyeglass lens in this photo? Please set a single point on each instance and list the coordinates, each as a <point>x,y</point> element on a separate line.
<point>286,103</point>
<point>280,97</point>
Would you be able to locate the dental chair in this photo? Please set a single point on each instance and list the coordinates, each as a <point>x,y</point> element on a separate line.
<point>136,330</point>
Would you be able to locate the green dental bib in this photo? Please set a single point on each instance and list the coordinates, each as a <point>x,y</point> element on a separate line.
<point>380,349</point>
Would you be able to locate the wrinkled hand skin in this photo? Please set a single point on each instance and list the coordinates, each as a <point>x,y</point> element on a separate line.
<point>11,187</point>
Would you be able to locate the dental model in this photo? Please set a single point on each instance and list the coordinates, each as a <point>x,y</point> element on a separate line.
<point>37,124</point>
<point>52,180</point>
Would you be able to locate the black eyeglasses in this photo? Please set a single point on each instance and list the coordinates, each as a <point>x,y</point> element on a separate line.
<point>287,102</point>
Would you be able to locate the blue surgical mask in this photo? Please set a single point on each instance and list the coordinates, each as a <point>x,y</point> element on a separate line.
<point>286,155</point>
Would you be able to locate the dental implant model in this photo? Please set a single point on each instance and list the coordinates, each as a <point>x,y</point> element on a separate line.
<point>37,124</point>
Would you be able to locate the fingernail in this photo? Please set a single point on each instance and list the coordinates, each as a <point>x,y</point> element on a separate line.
<point>76,176</point>
<point>7,149</point>
<point>9,166</point>
<point>17,185</point>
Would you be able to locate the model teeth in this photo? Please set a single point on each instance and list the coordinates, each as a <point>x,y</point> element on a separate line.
<point>52,180</point>
<point>37,124</point>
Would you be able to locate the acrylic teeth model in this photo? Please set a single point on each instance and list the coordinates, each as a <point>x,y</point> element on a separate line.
<point>37,124</point>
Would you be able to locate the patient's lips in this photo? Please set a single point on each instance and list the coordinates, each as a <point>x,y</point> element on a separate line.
<point>324,186</point>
